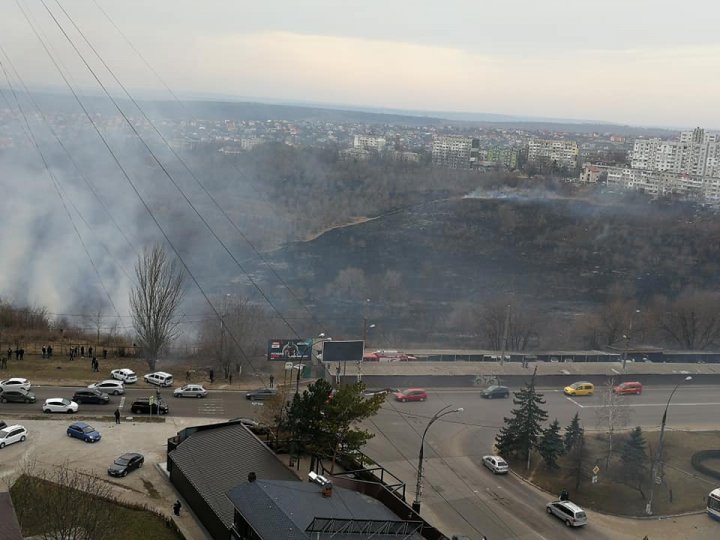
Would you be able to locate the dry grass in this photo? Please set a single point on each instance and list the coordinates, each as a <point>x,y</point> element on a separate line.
<point>684,489</point>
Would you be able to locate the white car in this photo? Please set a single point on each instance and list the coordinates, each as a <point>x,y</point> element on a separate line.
<point>190,390</point>
<point>12,434</point>
<point>570,513</point>
<point>109,386</point>
<point>15,383</point>
<point>59,405</point>
<point>496,464</point>
<point>159,378</point>
<point>125,375</point>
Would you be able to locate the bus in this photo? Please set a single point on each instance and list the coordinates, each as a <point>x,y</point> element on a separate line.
<point>713,504</point>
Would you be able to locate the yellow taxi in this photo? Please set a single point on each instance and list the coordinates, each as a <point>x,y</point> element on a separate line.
<point>579,389</point>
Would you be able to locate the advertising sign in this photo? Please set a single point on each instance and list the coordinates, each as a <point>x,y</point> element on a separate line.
<point>343,351</point>
<point>288,349</point>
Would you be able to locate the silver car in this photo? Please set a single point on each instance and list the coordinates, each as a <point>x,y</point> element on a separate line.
<point>571,514</point>
<point>190,390</point>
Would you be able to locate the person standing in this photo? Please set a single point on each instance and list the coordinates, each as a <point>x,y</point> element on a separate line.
<point>104,354</point>
<point>176,507</point>
<point>272,381</point>
<point>22,353</point>
<point>43,351</point>
<point>229,378</point>
<point>90,351</point>
<point>212,375</point>
<point>117,416</point>
<point>49,351</point>
<point>82,351</point>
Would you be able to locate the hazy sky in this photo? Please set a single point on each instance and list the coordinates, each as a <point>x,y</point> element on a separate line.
<point>650,62</point>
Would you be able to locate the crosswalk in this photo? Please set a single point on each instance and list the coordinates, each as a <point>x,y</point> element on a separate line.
<point>212,406</point>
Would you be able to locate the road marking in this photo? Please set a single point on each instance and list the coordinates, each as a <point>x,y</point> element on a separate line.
<point>615,371</point>
<point>576,403</point>
<point>122,403</point>
<point>651,405</point>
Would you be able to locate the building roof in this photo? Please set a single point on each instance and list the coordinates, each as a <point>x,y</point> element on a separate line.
<point>10,528</point>
<point>281,509</point>
<point>214,460</point>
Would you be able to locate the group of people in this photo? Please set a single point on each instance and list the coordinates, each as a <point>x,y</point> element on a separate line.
<point>47,351</point>
<point>19,353</point>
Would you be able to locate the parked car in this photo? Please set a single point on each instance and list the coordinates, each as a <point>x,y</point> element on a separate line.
<point>17,396</point>
<point>125,375</point>
<point>111,386</point>
<point>12,434</point>
<point>581,388</point>
<point>84,432</point>
<point>190,390</point>
<point>495,391</point>
<point>569,512</point>
<point>159,378</point>
<point>258,428</point>
<point>628,388</point>
<point>91,395</point>
<point>126,463</point>
<point>15,383</point>
<point>411,394</point>
<point>496,464</point>
<point>261,393</point>
<point>59,405</point>
<point>143,406</point>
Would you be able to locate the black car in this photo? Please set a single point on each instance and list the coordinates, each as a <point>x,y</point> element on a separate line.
<point>126,463</point>
<point>90,395</point>
<point>2,424</point>
<point>142,406</point>
<point>17,396</point>
<point>261,393</point>
<point>492,392</point>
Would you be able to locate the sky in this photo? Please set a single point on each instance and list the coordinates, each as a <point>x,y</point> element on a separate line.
<point>636,62</point>
<point>640,62</point>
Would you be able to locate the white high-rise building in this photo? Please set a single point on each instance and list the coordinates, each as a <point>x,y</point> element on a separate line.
<point>367,142</point>
<point>696,153</point>
<point>455,152</point>
<point>563,153</point>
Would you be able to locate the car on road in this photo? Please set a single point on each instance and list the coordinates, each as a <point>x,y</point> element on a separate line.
<point>626,388</point>
<point>495,391</point>
<point>384,391</point>
<point>126,463</point>
<point>15,383</point>
<point>12,434</point>
<point>59,405</point>
<point>411,394</point>
<point>111,386</point>
<point>125,375</point>
<point>496,464</point>
<point>258,428</point>
<point>91,395</point>
<point>84,432</point>
<point>17,396</point>
<point>581,388</point>
<point>144,406</point>
<point>190,390</point>
<point>570,513</point>
<point>159,378</point>
<point>261,393</point>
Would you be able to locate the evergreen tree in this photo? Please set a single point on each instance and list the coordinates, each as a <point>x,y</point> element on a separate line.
<point>551,445</point>
<point>634,460</point>
<point>577,457</point>
<point>573,433</point>
<point>522,430</point>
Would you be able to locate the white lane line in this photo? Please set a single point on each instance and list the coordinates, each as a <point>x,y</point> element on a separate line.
<point>615,371</point>
<point>652,405</point>
<point>122,403</point>
<point>576,403</point>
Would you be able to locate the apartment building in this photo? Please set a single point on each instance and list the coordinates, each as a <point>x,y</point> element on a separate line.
<point>503,157</point>
<point>663,183</point>
<point>367,142</point>
<point>550,151</point>
<point>696,153</point>
<point>455,152</point>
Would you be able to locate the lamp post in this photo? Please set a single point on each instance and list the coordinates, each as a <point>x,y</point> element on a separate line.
<point>418,488</point>
<point>658,459</point>
<point>627,337</point>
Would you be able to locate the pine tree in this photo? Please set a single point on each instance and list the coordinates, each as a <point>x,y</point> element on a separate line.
<point>551,445</point>
<point>634,460</point>
<point>573,433</point>
<point>522,430</point>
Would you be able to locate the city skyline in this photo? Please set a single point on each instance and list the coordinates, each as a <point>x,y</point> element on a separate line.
<point>519,58</point>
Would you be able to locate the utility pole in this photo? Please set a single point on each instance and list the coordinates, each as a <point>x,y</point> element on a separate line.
<point>505,334</point>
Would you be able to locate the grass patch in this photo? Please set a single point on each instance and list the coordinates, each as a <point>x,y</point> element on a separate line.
<point>683,489</point>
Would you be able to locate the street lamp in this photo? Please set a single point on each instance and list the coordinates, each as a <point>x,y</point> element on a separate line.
<point>627,337</point>
<point>658,459</point>
<point>418,488</point>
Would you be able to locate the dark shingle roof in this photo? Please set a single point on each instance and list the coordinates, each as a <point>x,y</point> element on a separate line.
<point>278,509</point>
<point>9,526</point>
<point>217,459</point>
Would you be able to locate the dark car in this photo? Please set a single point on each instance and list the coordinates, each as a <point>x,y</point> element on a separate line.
<point>84,432</point>
<point>90,395</point>
<point>126,463</point>
<point>17,396</point>
<point>143,406</point>
<point>492,392</point>
<point>258,428</point>
<point>383,391</point>
<point>2,424</point>
<point>261,393</point>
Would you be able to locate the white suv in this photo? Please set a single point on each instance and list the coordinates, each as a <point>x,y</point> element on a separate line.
<point>159,378</point>
<point>109,386</point>
<point>12,434</point>
<point>570,513</point>
<point>125,375</point>
<point>15,383</point>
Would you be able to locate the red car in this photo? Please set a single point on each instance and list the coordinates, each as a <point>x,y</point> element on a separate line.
<point>628,388</point>
<point>411,394</point>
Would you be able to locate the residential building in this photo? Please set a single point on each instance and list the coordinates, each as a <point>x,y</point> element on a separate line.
<point>500,157</point>
<point>367,142</point>
<point>455,152</point>
<point>354,154</point>
<point>696,153</point>
<point>554,152</point>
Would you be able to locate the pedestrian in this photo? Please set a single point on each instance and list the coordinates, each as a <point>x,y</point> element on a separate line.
<point>72,353</point>
<point>82,351</point>
<point>104,354</point>
<point>92,364</point>
<point>564,495</point>
<point>22,353</point>
<point>212,375</point>
<point>229,378</point>
<point>117,416</point>
<point>49,351</point>
<point>97,366</point>
<point>176,508</point>
<point>187,376</point>
<point>9,353</point>
<point>43,351</point>
<point>17,353</point>
<point>4,362</point>
<point>272,381</point>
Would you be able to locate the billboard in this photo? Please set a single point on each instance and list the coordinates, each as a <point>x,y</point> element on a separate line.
<point>289,349</point>
<point>343,351</point>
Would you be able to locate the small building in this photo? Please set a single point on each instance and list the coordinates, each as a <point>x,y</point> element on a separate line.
<point>9,526</point>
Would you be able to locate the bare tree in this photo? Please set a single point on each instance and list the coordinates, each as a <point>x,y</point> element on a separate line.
<point>612,414</point>
<point>692,321</point>
<point>155,300</point>
<point>521,325</point>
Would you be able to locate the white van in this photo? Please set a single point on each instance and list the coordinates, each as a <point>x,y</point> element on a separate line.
<point>159,378</point>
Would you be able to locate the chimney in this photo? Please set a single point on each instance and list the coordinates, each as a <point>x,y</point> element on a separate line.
<point>327,489</point>
<point>252,477</point>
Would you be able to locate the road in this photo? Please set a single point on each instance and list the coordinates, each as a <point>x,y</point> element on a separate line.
<point>460,496</point>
